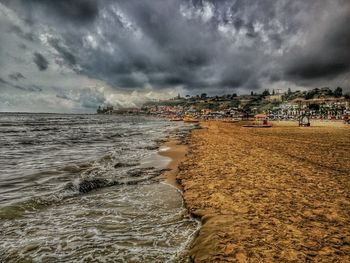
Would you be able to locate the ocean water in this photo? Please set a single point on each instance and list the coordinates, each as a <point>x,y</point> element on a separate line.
<point>86,188</point>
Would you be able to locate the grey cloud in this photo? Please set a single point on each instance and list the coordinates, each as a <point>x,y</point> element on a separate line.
<point>80,11</point>
<point>86,97</point>
<point>68,57</point>
<point>325,56</point>
<point>20,33</point>
<point>34,88</point>
<point>16,76</point>
<point>63,96</point>
<point>2,81</point>
<point>76,11</point>
<point>40,61</point>
<point>30,88</point>
<point>195,44</point>
<point>91,99</point>
<point>22,46</point>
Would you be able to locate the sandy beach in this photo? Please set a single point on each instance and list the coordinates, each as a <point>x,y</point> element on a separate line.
<point>268,195</point>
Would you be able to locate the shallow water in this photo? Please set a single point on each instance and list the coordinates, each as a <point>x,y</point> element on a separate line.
<point>85,188</point>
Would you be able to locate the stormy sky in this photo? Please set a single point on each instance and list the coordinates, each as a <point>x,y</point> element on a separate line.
<point>73,55</point>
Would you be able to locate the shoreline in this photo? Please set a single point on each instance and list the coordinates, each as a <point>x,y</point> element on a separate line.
<point>271,195</point>
<point>176,152</point>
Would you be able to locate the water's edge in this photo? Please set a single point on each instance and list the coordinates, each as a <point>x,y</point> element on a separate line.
<point>90,188</point>
<point>176,149</point>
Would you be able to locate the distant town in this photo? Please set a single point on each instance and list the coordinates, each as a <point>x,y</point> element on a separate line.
<point>319,103</point>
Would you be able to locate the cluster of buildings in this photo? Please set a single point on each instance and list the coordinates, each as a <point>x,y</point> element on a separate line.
<point>317,103</point>
<point>192,111</point>
<point>111,110</point>
<point>321,108</point>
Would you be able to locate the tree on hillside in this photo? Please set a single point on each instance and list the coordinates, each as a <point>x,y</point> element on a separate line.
<point>311,94</point>
<point>203,95</point>
<point>328,91</point>
<point>266,92</point>
<point>338,92</point>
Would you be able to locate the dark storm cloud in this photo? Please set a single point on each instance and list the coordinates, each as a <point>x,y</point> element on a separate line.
<point>197,44</point>
<point>77,11</point>
<point>313,67</point>
<point>326,55</point>
<point>191,51</point>
<point>40,61</point>
<point>80,11</point>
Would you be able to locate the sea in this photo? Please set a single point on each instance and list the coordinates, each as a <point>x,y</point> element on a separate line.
<point>87,188</point>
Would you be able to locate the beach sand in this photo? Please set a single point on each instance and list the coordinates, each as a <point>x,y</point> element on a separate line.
<point>280,194</point>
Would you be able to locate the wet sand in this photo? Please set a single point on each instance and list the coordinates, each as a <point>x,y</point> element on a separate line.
<point>176,151</point>
<point>280,194</point>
